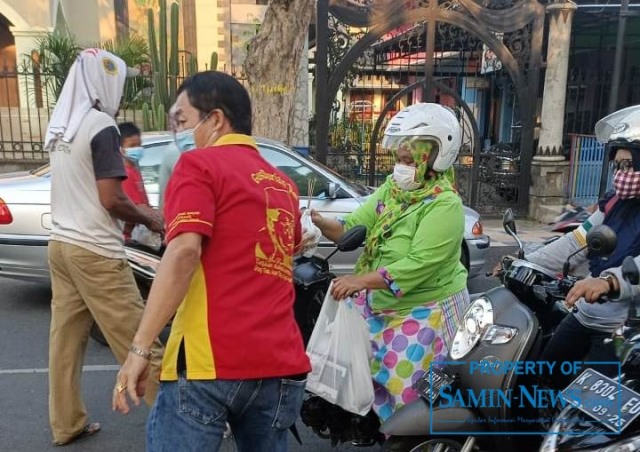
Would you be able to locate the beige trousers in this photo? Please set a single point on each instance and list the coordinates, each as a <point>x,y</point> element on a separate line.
<point>87,286</point>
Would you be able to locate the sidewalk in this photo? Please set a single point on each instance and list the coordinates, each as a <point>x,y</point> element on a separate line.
<point>528,231</point>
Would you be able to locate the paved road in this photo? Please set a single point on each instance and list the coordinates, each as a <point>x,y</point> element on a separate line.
<point>24,326</point>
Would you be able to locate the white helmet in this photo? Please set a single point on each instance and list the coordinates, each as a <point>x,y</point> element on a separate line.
<point>427,121</point>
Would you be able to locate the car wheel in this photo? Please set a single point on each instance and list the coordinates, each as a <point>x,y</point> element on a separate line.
<point>143,287</point>
<point>464,257</point>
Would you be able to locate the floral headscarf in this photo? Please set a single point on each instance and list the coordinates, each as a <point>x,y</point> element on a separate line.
<point>398,200</point>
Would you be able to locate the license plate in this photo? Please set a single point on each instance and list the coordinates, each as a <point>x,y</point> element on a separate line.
<point>429,385</point>
<point>604,399</point>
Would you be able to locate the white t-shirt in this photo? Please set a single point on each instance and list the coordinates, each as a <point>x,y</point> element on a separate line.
<point>78,216</point>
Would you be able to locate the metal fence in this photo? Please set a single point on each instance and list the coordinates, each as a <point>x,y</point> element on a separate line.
<point>586,159</point>
<point>27,98</point>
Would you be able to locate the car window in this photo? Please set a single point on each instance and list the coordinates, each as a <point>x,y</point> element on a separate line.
<point>300,173</point>
<point>150,162</point>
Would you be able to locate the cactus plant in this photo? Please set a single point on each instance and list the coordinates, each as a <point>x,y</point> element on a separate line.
<point>164,55</point>
<point>164,63</point>
<point>214,61</point>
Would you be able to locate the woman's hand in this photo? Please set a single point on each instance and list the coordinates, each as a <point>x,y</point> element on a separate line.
<point>590,289</point>
<point>346,286</point>
<point>308,241</point>
<point>131,380</point>
<point>316,218</point>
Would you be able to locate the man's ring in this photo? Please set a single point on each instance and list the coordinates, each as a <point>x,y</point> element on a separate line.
<point>120,387</point>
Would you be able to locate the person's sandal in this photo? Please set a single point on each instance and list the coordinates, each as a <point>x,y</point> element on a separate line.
<point>90,429</point>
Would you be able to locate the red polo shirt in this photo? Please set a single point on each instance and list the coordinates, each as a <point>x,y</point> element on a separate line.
<point>237,319</point>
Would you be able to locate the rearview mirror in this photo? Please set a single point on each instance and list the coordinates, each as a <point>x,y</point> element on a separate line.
<point>352,239</point>
<point>509,222</point>
<point>333,189</point>
<point>601,241</point>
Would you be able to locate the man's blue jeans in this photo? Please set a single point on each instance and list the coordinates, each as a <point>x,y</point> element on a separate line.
<point>191,415</point>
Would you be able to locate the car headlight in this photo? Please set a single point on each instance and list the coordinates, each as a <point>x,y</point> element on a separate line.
<point>477,318</point>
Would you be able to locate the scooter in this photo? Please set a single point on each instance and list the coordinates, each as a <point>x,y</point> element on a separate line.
<point>312,278</point>
<point>605,413</point>
<point>509,324</point>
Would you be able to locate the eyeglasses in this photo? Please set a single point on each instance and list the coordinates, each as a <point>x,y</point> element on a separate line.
<point>623,165</point>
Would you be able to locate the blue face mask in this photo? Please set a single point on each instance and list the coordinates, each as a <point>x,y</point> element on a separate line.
<point>185,140</point>
<point>135,153</point>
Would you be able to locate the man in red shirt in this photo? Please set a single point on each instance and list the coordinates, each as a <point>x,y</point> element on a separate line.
<point>235,353</point>
<point>133,185</point>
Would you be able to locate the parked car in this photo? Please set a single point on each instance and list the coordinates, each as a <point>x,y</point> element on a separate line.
<point>25,211</point>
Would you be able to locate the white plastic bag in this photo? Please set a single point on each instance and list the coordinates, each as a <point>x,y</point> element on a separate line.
<point>310,232</point>
<point>146,237</point>
<point>340,351</point>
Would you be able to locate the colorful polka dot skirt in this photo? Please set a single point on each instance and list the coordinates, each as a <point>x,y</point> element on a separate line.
<point>404,344</point>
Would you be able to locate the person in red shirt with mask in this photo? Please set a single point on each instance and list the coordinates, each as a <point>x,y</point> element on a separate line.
<point>133,185</point>
<point>235,353</point>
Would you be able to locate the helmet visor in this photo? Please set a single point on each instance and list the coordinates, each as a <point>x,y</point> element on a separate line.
<point>419,146</point>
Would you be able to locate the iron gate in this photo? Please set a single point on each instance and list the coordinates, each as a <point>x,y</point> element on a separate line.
<point>481,58</point>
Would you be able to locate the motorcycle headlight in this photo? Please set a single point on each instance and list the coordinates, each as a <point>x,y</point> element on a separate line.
<point>474,323</point>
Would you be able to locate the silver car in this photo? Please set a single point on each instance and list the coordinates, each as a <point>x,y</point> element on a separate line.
<point>25,210</point>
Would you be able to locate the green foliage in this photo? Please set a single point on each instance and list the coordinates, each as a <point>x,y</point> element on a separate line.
<point>154,118</point>
<point>53,57</point>
<point>134,51</point>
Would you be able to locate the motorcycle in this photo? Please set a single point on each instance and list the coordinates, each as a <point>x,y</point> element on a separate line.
<point>312,278</point>
<point>571,219</point>
<point>508,324</point>
<point>605,414</point>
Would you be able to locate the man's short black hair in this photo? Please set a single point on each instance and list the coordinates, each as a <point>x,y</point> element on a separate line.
<point>210,90</point>
<point>128,129</point>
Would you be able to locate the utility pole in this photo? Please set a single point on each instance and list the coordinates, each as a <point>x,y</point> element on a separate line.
<point>615,84</point>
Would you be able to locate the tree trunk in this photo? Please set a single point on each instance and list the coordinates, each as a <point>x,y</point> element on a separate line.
<point>272,65</point>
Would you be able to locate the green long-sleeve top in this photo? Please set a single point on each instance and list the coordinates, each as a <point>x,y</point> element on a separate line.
<point>420,259</point>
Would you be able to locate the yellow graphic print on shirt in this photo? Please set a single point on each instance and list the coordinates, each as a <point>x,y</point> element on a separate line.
<point>275,249</point>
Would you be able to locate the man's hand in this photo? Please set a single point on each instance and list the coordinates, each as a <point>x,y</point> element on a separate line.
<point>155,222</point>
<point>590,289</point>
<point>499,267</point>
<point>346,286</point>
<point>131,381</point>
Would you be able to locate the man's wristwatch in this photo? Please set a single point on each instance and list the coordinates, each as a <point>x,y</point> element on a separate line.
<point>609,279</point>
<point>146,354</point>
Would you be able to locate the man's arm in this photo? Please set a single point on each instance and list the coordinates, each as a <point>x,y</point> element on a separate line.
<point>553,255</point>
<point>118,204</point>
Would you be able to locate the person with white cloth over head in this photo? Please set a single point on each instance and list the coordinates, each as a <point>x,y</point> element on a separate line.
<point>90,277</point>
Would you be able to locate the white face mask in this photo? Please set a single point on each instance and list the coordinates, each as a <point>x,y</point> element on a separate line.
<point>405,175</point>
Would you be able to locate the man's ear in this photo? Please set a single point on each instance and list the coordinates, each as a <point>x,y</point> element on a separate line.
<point>220,120</point>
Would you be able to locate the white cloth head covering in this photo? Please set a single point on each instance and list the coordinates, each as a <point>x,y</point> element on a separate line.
<point>96,77</point>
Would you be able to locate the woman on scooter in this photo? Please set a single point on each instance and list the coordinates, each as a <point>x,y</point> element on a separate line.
<point>582,333</point>
<point>409,282</point>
